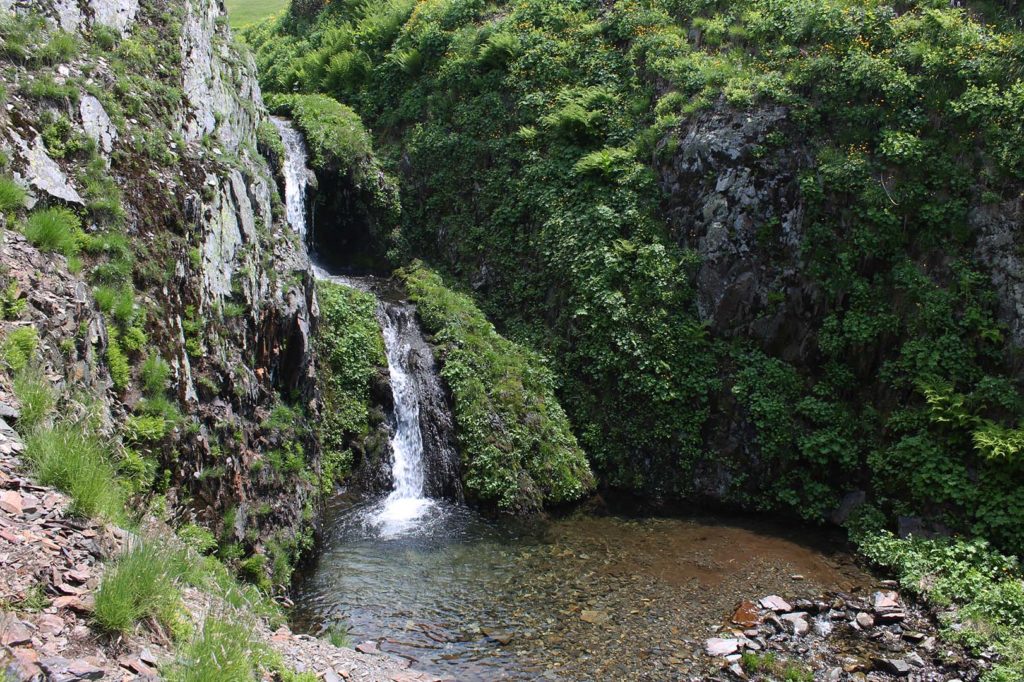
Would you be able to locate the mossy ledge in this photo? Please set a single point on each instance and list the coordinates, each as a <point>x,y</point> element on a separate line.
<point>517,447</point>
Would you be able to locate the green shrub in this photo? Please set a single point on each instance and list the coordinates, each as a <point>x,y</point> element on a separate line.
<point>12,196</point>
<point>12,303</point>
<point>55,229</point>
<point>351,349</point>
<point>19,347</point>
<point>60,48</point>
<point>105,38</point>
<point>45,87</point>
<point>154,374</point>
<point>197,538</point>
<point>69,458</point>
<point>63,141</point>
<point>141,429</point>
<point>117,362</point>
<point>18,32</point>
<point>36,398</point>
<point>334,132</point>
<point>983,588</point>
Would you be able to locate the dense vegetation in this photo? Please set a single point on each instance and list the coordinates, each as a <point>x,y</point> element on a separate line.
<point>517,449</point>
<point>978,591</point>
<point>526,136</point>
<point>529,138</point>
<point>351,353</point>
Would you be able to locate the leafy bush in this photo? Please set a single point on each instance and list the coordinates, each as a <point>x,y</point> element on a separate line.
<point>984,589</point>
<point>517,448</point>
<point>70,458</point>
<point>352,351</point>
<point>117,362</point>
<point>197,538</point>
<point>55,229</point>
<point>45,87</point>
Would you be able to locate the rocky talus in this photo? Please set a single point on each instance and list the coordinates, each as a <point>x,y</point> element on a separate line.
<point>875,636</point>
<point>50,566</point>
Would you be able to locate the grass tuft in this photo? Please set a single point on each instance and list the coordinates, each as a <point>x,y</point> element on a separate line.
<point>19,347</point>
<point>142,583</point>
<point>12,196</point>
<point>36,397</point>
<point>222,652</point>
<point>55,229</point>
<point>78,463</point>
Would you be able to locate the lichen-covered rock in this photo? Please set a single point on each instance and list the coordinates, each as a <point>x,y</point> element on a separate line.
<point>42,172</point>
<point>96,123</point>
<point>741,210</point>
<point>1000,230</point>
<point>117,14</point>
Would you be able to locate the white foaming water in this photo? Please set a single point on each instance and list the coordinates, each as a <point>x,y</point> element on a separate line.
<point>296,174</point>
<point>405,505</point>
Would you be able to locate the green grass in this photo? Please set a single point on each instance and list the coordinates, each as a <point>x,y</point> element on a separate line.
<point>18,348</point>
<point>36,397</point>
<point>143,583</point>
<point>79,463</point>
<point>55,229</point>
<point>244,12</point>
<point>223,652</point>
<point>12,196</point>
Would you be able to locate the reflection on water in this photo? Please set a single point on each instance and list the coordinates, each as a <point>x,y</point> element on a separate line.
<point>575,598</point>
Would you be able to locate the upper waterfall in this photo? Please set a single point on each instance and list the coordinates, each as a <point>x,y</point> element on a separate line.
<point>296,175</point>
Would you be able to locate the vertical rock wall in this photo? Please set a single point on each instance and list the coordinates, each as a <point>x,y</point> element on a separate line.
<point>226,284</point>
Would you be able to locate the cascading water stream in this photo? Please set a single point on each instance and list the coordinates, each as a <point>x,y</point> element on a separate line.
<point>419,404</point>
<point>296,174</point>
<point>406,503</point>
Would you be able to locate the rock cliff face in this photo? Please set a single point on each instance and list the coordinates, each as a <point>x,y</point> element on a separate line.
<point>732,193</point>
<point>156,118</point>
<point>740,209</point>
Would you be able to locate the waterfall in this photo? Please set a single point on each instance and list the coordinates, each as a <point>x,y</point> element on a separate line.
<point>296,174</point>
<point>406,502</point>
<point>424,462</point>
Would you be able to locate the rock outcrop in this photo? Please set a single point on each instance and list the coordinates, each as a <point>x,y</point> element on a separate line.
<point>740,209</point>
<point>175,115</point>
